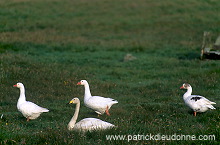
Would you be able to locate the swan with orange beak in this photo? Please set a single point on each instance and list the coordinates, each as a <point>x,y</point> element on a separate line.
<point>99,104</point>
<point>196,102</point>
<point>27,108</point>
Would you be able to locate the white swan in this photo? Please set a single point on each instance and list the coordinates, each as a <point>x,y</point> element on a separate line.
<point>99,104</point>
<point>28,109</point>
<point>195,102</point>
<point>87,124</point>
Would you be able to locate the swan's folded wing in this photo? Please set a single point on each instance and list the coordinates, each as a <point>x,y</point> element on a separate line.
<point>198,99</point>
<point>93,124</point>
<point>102,101</point>
<point>30,108</point>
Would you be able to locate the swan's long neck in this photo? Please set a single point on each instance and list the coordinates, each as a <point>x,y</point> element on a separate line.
<point>22,97</point>
<point>74,118</point>
<point>87,92</point>
<point>188,93</point>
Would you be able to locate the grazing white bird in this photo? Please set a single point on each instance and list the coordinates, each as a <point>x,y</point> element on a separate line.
<point>87,124</point>
<point>28,109</point>
<point>195,102</point>
<point>99,104</point>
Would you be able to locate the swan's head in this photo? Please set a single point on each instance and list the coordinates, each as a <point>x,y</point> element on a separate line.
<point>185,86</point>
<point>82,82</point>
<point>18,85</point>
<point>74,101</point>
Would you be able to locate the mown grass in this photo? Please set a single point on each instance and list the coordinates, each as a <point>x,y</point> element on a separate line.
<point>51,45</point>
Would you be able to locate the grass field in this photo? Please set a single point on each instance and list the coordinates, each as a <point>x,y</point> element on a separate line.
<point>50,45</point>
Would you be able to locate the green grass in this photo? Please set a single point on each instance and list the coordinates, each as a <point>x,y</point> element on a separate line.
<point>50,45</point>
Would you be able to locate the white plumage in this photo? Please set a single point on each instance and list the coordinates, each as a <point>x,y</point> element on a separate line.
<point>195,102</point>
<point>99,104</point>
<point>28,109</point>
<point>87,124</point>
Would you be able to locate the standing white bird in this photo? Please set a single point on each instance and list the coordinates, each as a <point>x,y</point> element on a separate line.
<point>195,102</point>
<point>99,104</point>
<point>87,124</point>
<point>28,109</point>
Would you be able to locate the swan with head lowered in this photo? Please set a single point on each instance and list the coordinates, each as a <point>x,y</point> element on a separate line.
<point>28,109</point>
<point>99,104</point>
<point>87,124</point>
<point>195,102</point>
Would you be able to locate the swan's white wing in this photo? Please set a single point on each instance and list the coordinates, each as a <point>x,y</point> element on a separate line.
<point>200,99</point>
<point>101,101</point>
<point>29,108</point>
<point>99,104</point>
<point>90,124</point>
<point>197,102</point>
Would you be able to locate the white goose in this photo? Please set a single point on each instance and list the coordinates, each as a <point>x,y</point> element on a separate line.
<point>195,102</point>
<point>99,104</point>
<point>87,124</point>
<point>28,109</point>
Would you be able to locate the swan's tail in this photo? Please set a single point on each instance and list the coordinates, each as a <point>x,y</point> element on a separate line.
<point>212,102</point>
<point>209,103</point>
<point>211,107</point>
<point>45,110</point>
<point>112,103</point>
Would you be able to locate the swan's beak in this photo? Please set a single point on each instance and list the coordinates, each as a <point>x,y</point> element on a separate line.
<point>182,87</point>
<point>71,102</point>
<point>14,85</point>
<point>79,83</point>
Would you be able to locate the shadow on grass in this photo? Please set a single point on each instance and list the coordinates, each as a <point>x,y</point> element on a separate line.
<point>189,56</point>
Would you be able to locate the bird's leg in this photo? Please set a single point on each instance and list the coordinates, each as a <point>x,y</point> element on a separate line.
<point>106,111</point>
<point>28,118</point>
<point>194,113</point>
